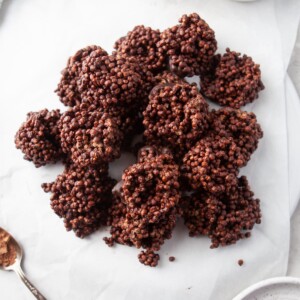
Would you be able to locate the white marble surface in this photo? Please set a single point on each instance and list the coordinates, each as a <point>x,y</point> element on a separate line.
<point>294,259</point>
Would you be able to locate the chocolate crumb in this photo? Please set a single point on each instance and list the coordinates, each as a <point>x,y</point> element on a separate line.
<point>171,258</point>
<point>240,262</point>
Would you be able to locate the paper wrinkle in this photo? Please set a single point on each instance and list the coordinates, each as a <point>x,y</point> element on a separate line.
<point>293,123</point>
<point>36,39</point>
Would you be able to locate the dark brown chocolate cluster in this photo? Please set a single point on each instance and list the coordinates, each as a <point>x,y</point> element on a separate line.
<point>68,87</point>
<point>189,46</point>
<point>212,165</point>
<point>141,43</point>
<point>176,117</point>
<point>38,137</point>
<point>234,80</point>
<point>242,126</point>
<point>224,219</point>
<point>90,136</point>
<point>186,149</point>
<point>144,210</point>
<point>81,196</point>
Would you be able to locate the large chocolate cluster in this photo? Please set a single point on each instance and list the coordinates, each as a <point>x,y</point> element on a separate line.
<point>189,159</point>
<point>143,213</point>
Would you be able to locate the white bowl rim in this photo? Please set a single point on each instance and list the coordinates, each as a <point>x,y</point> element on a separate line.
<point>265,283</point>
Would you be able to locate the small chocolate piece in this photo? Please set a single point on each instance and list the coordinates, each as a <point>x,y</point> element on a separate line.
<point>38,137</point>
<point>171,258</point>
<point>234,80</point>
<point>149,258</point>
<point>240,262</point>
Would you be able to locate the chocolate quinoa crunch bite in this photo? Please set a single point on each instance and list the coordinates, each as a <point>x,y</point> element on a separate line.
<point>242,126</point>
<point>90,136</point>
<point>141,43</point>
<point>136,99</point>
<point>224,219</point>
<point>38,137</point>
<point>143,213</point>
<point>81,196</point>
<point>67,89</point>
<point>212,165</point>
<point>234,80</point>
<point>190,45</point>
<point>176,117</point>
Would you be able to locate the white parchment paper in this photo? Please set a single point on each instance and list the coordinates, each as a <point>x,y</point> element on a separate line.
<point>36,38</point>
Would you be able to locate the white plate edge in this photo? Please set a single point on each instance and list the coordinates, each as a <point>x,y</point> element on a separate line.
<point>265,283</point>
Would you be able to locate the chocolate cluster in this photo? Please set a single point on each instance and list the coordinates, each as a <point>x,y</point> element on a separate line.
<point>68,87</point>
<point>224,219</point>
<point>189,158</point>
<point>189,46</point>
<point>90,136</point>
<point>81,196</point>
<point>141,43</point>
<point>242,126</point>
<point>233,80</point>
<point>38,137</point>
<point>144,210</point>
<point>176,117</point>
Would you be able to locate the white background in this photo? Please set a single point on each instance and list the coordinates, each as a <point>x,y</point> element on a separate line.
<point>36,38</point>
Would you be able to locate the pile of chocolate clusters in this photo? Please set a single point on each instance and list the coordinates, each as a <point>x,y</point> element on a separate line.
<point>188,162</point>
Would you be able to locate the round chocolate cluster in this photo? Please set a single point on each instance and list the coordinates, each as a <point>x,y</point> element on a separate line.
<point>176,117</point>
<point>90,136</point>
<point>226,218</point>
<point>186,149</point>
<point>212,165</point>
<point>242,126</point>
<point>141,43</point>
<point>68,87</point>
<point>189,45</point>
<point>38,137</point>
<point>144,210</point>
<point>233,80</point>
<point>81,196</point>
